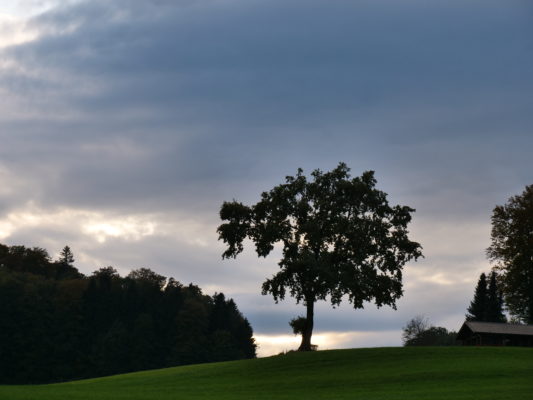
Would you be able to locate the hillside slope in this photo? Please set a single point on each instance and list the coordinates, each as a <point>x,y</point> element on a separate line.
<point>383,373</point>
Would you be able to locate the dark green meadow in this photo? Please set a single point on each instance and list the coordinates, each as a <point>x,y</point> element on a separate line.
<point>380,373</point>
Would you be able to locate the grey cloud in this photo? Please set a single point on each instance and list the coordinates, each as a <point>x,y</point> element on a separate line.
<point>332,57</point>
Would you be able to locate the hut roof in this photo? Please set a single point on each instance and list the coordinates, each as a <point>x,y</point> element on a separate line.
<point>496,328</point>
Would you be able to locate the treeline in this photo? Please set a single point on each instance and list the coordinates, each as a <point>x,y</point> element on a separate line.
<point>57,324</point>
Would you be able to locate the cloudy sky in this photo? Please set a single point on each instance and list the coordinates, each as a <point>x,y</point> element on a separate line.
<point>125,124</point>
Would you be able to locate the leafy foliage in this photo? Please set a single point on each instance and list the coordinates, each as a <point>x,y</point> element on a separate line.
<point>340,238</point>
<point>59,325</point>
<point>418,332</point>
<point>512,249</point>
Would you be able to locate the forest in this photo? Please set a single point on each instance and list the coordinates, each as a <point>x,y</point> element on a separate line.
<point>58,324</point>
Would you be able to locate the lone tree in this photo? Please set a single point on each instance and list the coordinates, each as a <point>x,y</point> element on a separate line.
<point>339,237</point>
<point>512,250</point>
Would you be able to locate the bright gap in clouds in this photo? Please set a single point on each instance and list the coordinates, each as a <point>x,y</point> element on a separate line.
<point>14,15</point>
<point>22,9</point>
<point>14,31</point>
<point>269,345</point>
<point>95,225</point>
<point>125,228</point>
<point>13,20</point>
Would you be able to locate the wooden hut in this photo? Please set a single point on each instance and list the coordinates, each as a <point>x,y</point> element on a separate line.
<point>474,333</point>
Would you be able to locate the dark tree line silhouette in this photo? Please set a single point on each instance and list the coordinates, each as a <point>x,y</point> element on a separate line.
<point>57,324</point>
<point>487,304</point>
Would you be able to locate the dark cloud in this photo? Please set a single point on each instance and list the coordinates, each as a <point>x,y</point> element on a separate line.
<point>220,91</point>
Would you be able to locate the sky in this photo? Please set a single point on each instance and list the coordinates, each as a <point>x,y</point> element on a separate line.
<point>124,125</point>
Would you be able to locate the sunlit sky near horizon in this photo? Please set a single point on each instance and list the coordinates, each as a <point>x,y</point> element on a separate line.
<point>124,125</point>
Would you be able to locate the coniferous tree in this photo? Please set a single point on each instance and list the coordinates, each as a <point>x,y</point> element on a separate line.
<point>477,311</point>
<point>66,256</point>
<point>494,312</point>
<point>64,268</point>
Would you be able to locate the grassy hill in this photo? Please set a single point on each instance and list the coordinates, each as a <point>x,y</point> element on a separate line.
<point>383,373</point>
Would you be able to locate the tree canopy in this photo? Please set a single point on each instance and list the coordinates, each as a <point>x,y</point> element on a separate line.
<point>339,235</point>
<point>512,250</point>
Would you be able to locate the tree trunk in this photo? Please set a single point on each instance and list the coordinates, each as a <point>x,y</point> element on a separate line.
<point>530,287</point>
<point>308,331</point>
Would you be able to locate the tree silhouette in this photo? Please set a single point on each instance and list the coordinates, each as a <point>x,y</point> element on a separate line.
<point>512,250</point>
<point>487,304</point>
<point>414,328</point>
<point>339,237</point>
<point>66,256</point>
<point>494,301</point>
<point>58,324</point>
<point>477,311</point>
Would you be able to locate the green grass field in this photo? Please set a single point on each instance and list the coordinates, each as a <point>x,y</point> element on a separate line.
<point>383,373</point>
